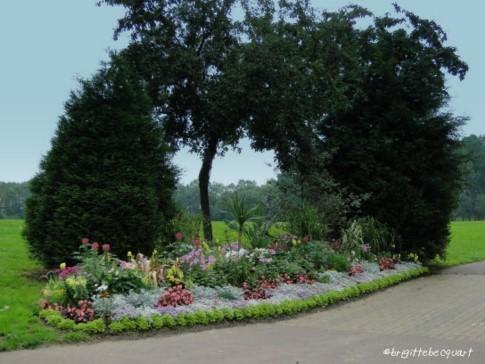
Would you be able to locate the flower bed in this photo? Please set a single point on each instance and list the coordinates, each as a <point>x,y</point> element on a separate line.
<point>249,311</point>
<point>194,284</point>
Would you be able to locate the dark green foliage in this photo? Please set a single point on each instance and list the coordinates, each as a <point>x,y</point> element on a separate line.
<point>377,128</point>
<point>307,223</point>
<point>381,239</point>
<point>397,143</point>
<point>471,204</point>
<point>237,272</point>
<point>107,176</point>
<point>316,253</point>
<point>207,278</point>
<point>189,53</point>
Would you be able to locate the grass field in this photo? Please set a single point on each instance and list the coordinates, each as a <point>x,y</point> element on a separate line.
<point>20,328</point>
<point>18,294</point>
<point>467,243</point>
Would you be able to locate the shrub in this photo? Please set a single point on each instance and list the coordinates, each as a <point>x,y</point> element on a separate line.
<point>338,262</point>
<point>379,236</point>
<point>257,233</point>
<point>316,253</point>
<point>237,271</point>
<point>308,223</point>
<point>107,175</point>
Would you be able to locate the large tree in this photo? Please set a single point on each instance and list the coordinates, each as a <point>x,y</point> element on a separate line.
<point>107,176</point>
<point>397,141</point>
<point>189,53</point>
<point>365,107</point>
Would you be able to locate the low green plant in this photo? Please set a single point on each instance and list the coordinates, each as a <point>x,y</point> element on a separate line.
<point>317,253</point>
<point>205,277</point>
<point>352,240</point>
<point>227,294</point>
<point>55,291</point>
<point>338,262</point>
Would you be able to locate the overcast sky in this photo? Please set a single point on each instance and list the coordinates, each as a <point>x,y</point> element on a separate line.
<point>45,45</point>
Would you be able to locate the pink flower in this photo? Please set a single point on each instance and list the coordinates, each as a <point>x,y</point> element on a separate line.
<point>95,246</point>
<point>106,247</point>
<point>84,241</point>
<point>197,242</point>
<point>179,236</point>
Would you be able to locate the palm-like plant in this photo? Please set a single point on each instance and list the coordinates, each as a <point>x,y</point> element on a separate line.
<point>242,213</point>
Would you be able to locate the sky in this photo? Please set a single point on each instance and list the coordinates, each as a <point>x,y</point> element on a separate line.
<point>45,46</point>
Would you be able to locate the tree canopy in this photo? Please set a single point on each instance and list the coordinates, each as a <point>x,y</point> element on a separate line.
<point>188,52</point>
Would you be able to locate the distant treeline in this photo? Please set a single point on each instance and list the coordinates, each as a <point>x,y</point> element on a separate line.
<point>471,202</point>
<point>12,198</point>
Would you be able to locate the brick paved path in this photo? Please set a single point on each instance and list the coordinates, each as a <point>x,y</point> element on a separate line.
<point>443,311</point>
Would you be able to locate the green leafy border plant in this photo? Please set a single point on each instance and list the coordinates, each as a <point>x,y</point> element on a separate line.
<point>253,312</point>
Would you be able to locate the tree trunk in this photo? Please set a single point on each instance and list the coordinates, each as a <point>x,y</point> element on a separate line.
<point>204,177</point>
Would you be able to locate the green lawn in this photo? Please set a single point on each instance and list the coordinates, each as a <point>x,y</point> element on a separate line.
<point>467,243</point>
<point>18,294</point>
<point>20,328</point>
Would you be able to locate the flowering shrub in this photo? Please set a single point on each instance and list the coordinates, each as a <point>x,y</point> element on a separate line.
<point>175,296</point>
<point>196,257</point>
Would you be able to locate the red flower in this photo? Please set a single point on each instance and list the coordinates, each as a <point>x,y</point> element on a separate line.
<point>95,246</point>
<point>197,243</point>
<point>85,241</point>
<point>106,247</point>
<point>179,236</point>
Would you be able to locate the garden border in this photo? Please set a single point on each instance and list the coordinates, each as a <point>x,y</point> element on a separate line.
<point>253,312</point>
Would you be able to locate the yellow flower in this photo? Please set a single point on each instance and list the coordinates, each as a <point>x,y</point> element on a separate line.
<point>62,266</point>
